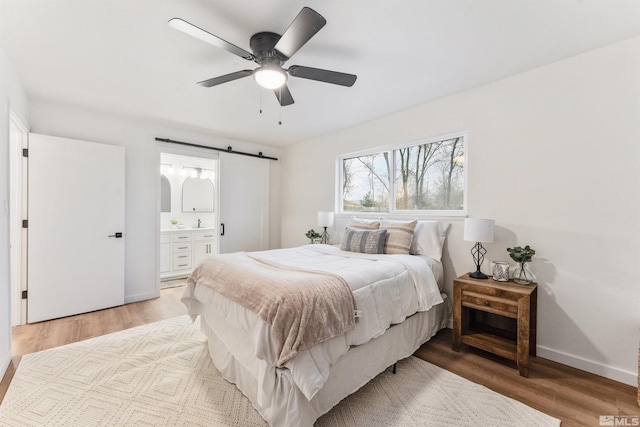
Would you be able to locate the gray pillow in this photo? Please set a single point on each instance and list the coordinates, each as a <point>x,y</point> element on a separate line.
<point>364,241</point>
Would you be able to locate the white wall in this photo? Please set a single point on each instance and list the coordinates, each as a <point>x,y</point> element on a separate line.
<point>142,178</point>
<point>552,157</point>
<point>12,97</point>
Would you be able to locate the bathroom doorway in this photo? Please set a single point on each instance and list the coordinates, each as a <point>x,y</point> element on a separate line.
<point>189,200</point>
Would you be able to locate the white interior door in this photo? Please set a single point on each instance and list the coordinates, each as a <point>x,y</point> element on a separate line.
<point>244,203</point>
<point>17,211</point>
<point>76,207</point>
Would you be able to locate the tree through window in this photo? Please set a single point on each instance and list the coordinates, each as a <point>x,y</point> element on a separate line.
<point>424,177</point>
<point>365,184</point>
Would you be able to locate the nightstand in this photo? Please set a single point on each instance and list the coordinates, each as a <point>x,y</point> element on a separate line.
<point>498,317</point>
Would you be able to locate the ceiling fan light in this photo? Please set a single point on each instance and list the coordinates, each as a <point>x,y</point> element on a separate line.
<point>270,77</point>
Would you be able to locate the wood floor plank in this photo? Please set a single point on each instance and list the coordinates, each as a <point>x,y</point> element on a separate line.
<point>576,397</point>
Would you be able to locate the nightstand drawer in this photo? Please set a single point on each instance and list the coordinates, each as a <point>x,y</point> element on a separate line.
<point>491,304</point>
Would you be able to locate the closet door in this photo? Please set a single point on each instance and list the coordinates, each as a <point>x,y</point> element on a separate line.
<point>76,227</point>
<point>244,203</point>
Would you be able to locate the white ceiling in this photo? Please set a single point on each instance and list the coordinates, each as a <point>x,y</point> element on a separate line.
<point>120,56</point>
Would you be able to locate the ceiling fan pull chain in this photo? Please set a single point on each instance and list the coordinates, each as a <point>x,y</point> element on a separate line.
<point>260,91</point>
<point>280,111</point>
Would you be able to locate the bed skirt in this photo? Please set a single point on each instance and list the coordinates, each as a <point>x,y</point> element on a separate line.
<point>282,404</point>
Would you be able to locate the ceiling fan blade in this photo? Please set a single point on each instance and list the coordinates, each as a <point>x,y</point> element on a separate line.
<point>334,77</point>
<point>304,26</point>
<point>284,95</point>
<point>226,78</point>
<point>197,32</point>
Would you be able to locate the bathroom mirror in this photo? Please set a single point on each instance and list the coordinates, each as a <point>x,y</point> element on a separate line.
<point>165,194</point>
<point>197,195</point>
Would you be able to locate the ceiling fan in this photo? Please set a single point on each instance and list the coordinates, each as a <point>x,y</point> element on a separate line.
<point>270,52</point>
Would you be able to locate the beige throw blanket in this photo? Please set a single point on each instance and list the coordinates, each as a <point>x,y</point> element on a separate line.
<point>303,307</point>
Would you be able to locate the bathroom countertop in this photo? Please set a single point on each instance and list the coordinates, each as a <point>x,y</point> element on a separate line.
<point>171,230</point>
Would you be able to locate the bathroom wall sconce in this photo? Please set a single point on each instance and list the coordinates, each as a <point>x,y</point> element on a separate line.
<point>201,173</point>
<point>169,168</point>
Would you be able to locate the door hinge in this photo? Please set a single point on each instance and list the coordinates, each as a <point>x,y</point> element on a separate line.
<point>25,152</point>
<point>24,294</point>
<point>25,223</point>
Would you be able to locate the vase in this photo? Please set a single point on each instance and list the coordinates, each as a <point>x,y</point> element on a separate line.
<point>500,271</point>
<point>522,275</point>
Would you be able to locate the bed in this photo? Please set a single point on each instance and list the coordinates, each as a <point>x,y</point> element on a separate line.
<point>397,306</point>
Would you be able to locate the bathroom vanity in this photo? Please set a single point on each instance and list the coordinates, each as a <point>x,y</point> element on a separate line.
<point>181,250</point>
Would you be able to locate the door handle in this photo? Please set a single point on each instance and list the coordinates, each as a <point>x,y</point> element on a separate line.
<point>117,235</point>
<point>222,228</point>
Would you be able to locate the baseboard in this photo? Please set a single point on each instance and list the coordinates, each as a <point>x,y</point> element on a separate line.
<point>128,299</point>
<point>4,366</point>
<point>615,374</point>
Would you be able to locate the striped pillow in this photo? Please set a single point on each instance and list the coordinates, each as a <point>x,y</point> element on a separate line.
<point>364,241</point>
<point>399,236</point>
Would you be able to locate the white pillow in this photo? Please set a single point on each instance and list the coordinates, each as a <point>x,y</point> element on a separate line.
<point>428,239</point>
<point>364,224</point>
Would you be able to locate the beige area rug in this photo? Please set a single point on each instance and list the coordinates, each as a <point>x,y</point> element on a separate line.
<point>161,375</point>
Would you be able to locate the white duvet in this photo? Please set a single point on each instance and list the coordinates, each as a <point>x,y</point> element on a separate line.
<point>387,289</point>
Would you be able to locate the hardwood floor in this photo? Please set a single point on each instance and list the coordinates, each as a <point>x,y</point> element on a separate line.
<point>575,397</point>
<point>43,335</point>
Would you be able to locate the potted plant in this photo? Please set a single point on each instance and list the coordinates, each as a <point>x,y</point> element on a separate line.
<point>522,275</point>
<point>312,235</point>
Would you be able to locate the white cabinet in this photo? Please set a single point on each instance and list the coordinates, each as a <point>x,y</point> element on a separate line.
<point>182,250</point>
<point>165,253</point>
<point>203,245</point>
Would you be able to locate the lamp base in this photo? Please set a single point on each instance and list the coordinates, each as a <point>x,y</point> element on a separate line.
<point>478,252</point>
<point>324,237</point>
<point>478,275</point>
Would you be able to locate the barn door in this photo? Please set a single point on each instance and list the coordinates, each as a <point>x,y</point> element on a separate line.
<point>244,203</point>
<point>75,227</point>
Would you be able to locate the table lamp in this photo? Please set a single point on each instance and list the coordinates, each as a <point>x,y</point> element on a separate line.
<point>325,219</point>
<point>479,231</point>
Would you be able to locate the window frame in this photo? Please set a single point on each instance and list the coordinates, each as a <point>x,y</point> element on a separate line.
<point>339,208</point>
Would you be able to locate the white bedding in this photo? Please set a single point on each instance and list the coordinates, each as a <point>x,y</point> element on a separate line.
<point>281,403</point>
<point>387,289</point>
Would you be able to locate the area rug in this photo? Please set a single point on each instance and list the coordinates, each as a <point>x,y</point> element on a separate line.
<point>161,375</point>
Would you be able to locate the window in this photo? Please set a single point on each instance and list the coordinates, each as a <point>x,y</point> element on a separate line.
<point>428,176</point>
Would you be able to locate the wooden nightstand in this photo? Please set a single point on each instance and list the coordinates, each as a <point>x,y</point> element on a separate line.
<point>498,317</point>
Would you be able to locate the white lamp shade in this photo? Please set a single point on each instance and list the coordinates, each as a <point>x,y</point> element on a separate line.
<point>325,219</point>
<point>478,230</point>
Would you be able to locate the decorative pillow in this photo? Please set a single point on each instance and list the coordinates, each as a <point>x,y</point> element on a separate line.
<point>428,239</point>
<point>364,224</point>
<point>399,235</point>
<point>364,241</point>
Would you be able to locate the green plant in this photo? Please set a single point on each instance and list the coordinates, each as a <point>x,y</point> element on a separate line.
<point>520,254</point>
<point>174,221</point>
<point>312,234</point>
<point>522,275</point>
